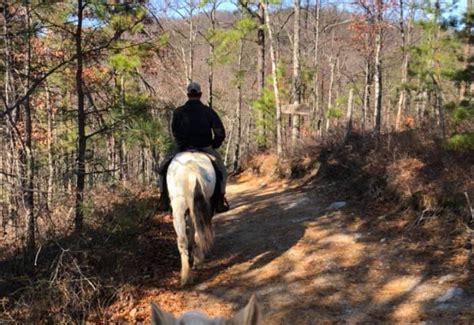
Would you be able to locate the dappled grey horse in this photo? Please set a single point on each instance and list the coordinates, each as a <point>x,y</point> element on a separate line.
<point>191,181</point>
<point>249,315</point>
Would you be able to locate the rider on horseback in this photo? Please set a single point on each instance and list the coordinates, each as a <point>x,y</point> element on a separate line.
<point>196,126</point>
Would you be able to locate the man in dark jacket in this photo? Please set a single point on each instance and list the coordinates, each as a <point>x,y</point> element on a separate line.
<point>196,126</point>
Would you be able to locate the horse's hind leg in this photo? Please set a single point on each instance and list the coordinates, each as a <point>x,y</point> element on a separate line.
<point>190,237</point>
<point>179,223</point>
<point>198,254</point>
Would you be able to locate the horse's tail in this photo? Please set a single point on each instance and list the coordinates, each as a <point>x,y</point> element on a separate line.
<point>201,215</point>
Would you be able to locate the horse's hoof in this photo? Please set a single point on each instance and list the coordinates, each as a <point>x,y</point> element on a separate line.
<point>185,282</point>
<point>198,263</point>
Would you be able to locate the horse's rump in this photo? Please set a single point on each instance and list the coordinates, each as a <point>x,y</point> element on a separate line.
<point>191,176</point>
<point>189,167</point>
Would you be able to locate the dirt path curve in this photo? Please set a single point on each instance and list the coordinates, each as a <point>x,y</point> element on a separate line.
<point>308,265</point>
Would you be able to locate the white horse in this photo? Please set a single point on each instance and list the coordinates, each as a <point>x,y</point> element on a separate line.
<point>249,315</point>
<point>191,180</point>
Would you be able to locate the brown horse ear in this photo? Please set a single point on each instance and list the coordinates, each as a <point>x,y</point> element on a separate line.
<point>249,315</point>
<point>159,317</point>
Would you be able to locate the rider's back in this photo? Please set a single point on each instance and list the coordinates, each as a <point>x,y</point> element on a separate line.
<point>193,124</point>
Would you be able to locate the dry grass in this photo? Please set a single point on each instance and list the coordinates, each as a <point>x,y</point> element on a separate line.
<point>404,196</point>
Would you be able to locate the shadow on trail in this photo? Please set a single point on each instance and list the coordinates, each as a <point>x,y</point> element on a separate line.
<point>128,251</point>
<point>370,273</point>
<point>260,232</point>
<point>390,272</point>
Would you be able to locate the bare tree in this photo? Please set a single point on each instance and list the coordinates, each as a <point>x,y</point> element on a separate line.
<point>405,33</point>
<point>378,68</point>
<point>349,115</point>
<point>467,49</point>
<point>275,82</point>
<point>26,154</point>
<point>238,117</point>
<point>81,120</point>
<point>259,17</point>
<point>316,62</point>
<point>296,84</point>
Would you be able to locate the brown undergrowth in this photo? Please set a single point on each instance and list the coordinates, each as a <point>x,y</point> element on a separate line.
<point>407,216</point>
<point>75,278</point>
<point>408,170</point>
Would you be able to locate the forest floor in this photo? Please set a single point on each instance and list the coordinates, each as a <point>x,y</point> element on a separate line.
<point>307,262</point>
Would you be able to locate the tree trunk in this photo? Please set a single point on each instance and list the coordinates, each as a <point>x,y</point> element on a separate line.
<point>123,146</point>
<point>440,109</point>
<point>81,123</point>
<point>405,34</point>
<point>464,85</point>
<point>8,89</point>
<point>211,57</point>
<point>229,142</point>
<point>296,84</point>
<point>191,48</point>
<point>248,131</point>
<point>238,117</point>
<point>50,113</point>
<point>261,130</point>
<point>316,65</point>
<point>378,70</point>
<point>211,76</point>
<point>349,115</point>
<point>330,90</point>
<point>275,85</point>
<point>366,100</point>
<point>26,152</point>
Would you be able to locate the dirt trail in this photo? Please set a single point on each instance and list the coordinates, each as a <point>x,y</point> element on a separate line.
<point>308,264</point>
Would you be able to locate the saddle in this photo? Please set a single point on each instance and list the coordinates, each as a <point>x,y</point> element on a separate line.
<point>217,193</point>
<point>219,175</point>
<point>211,157</point>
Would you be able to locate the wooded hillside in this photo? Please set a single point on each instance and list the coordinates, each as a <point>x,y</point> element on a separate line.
<point>88,88</point>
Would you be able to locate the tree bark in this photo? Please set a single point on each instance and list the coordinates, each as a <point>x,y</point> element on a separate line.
<point>296,84</point>
<point>440,109</point>
<point>330,90</point>
<point>366,100</point>
<point>405,35</point>
<point>464,85</point>
<point>50,113</point>
<point>81,122</point>
<point>229,142</point>
<point>261,129</point>
<point>191,48</point>
<point>211,57</point>
<point>316,64</point>
<point>123,146</point>
<point>26,155</point>
<point>378,70</point>
<point>275,85</point>
<point>349,115</point>
<point>238,117</point>
<point>8,90</point>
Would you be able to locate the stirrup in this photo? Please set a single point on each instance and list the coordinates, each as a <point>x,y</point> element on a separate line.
<point>223,206</point>
<point>226,203</point>
<point>164,206</point>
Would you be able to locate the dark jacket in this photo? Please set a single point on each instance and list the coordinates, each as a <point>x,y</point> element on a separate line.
<point>193,126</point>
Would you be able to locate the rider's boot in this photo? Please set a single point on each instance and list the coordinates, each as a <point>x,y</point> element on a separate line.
<point>163,201</point>
<point>222,205</point>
